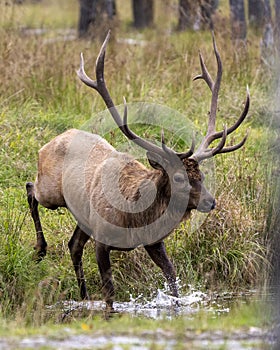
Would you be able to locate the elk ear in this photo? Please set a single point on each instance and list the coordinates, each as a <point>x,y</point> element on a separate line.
<point>156,161</point>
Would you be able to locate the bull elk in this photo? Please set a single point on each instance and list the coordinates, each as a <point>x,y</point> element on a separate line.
<point>78,170</point>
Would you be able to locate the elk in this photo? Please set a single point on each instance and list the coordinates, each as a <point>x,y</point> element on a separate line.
<point>79,170</point>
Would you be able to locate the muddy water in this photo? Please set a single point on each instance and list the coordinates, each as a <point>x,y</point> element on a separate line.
<point>163,305</point>
<point>159,307</point>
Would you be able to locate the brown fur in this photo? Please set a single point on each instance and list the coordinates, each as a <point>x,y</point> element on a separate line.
<point>78,170</point>
<point>113,196</point>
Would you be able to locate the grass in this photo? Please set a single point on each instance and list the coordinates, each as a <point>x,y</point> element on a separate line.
<point>42,97</point>
<point>181,333</point>
<point>251,314</point>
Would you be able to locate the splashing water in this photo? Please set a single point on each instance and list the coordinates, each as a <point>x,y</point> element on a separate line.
<point>160,305</point>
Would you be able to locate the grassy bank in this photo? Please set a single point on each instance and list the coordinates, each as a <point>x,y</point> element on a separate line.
<point>42,97</point>
<point>178,332</point>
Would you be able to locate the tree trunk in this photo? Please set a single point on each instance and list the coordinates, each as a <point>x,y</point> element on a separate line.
<point>143,13</point>
<point>267,43</point>
<point>186,14</point>
<point>238,21</point>
<point>256,13</point>
<point>267,11</point>
<point>207,8</point>
<point>110,8</point>
<point>95,12</point>
<point>277,24</point>
<point>87,16</point>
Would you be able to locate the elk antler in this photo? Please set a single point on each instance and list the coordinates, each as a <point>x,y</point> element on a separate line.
<point>100,86</point>
<point>203,151</point>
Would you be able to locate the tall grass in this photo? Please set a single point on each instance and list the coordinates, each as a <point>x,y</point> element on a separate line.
<point>41,97</point>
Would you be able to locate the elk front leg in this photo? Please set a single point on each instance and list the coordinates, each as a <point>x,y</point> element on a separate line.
<point>104,265</point>
<point>158,254</point>
<point>41,245</point>
<point>76,247</point>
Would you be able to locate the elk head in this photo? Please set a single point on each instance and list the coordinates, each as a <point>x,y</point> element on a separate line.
<point>180,171</point>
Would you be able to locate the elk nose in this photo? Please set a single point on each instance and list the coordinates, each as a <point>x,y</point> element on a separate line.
<point>207,205</point>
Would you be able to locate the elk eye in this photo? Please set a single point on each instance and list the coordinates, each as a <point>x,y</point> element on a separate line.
<point>179,178</point>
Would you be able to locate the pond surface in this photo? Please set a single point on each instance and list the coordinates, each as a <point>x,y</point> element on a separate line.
<point>158,308</point>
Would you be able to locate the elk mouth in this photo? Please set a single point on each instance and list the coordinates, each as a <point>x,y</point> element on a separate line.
<point>206,206</point>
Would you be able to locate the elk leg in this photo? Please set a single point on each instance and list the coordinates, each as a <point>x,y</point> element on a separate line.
<point>104,265</point>
<point>76,247</point>
<point>41,245</point>
<point>158,254</point>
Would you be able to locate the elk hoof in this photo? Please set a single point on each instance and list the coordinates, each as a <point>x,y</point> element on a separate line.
<point>40,253</point>
<point>109,312</point>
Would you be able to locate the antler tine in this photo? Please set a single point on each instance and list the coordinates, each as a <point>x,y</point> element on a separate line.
<point>163,144</point>
<point>221,144</point>
<point>243,114</point>
<point>83,76</point>
<point>215,90</point>
<point>205,74</point>
<point>211,135</point>
<point>235,147</point>
<point>100,86</point>
<point>214,86</point>
<point>99,65</point>
<point>164,150</point>
<point>189,152</point>
<point>239,120</point>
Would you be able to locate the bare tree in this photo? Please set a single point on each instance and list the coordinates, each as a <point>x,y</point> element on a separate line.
<point>95,13</point>
<point>195,14</point>
<point>267,43</point>
<point>238,20</point>
<point>186,14</point>
<point>87,16</point>
<point>256,13</point>
<point>267,11</point>
<point>207,9</point>
<point>277,23</point>
<point>143,13</point>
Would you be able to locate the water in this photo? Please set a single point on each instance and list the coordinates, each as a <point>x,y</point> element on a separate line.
<point>159,306</point>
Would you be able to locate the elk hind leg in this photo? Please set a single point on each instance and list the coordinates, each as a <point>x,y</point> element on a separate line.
<point>158,254</point>
<point>76,247</point>
<point>41,245</point>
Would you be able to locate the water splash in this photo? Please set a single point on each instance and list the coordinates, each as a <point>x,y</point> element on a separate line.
<point>158,306</point>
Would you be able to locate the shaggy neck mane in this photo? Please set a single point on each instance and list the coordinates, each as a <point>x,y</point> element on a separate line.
<point>135,182</point>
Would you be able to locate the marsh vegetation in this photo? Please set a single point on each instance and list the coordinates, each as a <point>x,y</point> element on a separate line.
<point>42,97</point>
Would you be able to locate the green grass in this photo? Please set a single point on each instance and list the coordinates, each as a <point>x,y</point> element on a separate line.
<point>42,97</point>
<point>252,314</point>
<point>180,332</point>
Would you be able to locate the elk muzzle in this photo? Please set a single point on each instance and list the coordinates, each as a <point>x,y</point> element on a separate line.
<point>207,202</point>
